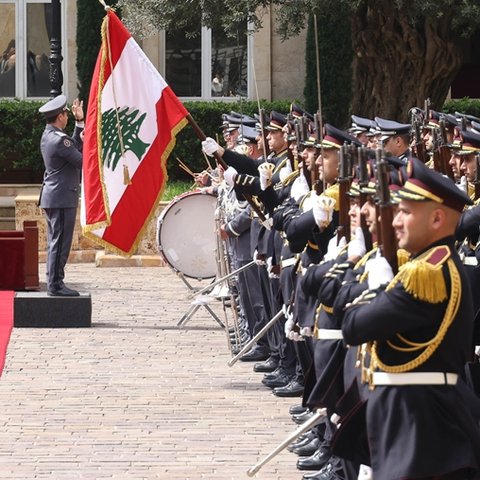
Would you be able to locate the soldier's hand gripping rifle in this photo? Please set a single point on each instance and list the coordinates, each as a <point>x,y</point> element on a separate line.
<point>388,245</point>
<point>362,183</point>
<point>344,185</point>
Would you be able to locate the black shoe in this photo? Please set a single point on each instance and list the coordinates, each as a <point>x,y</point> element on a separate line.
<point>255,355</point>
<point>297,409</point>
<point>314,462</point>
<point>303,417</point>
<point>326,473</point>
<point>269,365</point>
<point>307,437</point>
<point>279,381</point>
<point>307,449</point>
<point>293,389</point>
<point>63,292</point>
<point>270,376</point>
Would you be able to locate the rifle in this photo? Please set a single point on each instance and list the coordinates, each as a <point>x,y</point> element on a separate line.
<point>344,185</point>
<point>387,234</point>
<point>419,146</point>
<point>266,148</point>
<point>316,184</point>
<point>476,182</point>
<point>291,157</point>
<point>444,151</point>
<point>362,183</point>
<point>299,140</point>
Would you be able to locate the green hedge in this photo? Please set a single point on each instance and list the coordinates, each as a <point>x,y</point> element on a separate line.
<point>464,105</point>
<point>22,128</point>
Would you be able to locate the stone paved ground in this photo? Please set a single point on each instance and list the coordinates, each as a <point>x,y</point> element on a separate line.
<point>135,397</point>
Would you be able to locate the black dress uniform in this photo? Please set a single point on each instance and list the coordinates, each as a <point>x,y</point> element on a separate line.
<point>60,191</point>
<point>419,424</point>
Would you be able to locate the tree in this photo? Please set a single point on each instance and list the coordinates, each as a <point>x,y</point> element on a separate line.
<point>404,50</point>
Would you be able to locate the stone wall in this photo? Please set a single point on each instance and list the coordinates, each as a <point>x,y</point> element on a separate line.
<point>83,249</point>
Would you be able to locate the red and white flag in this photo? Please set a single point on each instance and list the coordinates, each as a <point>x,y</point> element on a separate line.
<point>133,117</point>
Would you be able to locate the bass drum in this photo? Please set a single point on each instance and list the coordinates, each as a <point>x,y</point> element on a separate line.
<point>186,234</point>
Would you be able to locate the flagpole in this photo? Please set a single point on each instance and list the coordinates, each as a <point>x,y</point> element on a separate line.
<point>201,136</point>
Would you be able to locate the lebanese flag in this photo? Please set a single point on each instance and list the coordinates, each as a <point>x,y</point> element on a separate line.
<point>133,117</point>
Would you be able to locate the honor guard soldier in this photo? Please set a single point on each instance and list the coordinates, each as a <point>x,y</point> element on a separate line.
<point>395,137</point>
<point>419,326</point>
<point>62,156</point>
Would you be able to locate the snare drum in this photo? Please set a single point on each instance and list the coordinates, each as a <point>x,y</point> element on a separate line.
<point>186,234</point>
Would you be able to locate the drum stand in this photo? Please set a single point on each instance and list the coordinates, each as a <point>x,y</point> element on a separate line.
<point>194,307</point>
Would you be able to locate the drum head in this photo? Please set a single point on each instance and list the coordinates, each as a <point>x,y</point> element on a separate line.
<point>186,235</point>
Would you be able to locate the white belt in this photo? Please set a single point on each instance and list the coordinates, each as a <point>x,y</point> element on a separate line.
<point>328,334</point>
<point>288,262</point>
<point>472,261</point>
<point>414,378</point>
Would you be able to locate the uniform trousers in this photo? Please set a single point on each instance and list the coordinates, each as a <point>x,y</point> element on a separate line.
<point>60,226</point>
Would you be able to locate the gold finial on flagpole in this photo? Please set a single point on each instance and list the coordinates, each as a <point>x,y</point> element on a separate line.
<point>105,6</point>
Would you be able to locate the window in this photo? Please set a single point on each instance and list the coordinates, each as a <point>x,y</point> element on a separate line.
<point>24,48</point>
<point>208,65</point>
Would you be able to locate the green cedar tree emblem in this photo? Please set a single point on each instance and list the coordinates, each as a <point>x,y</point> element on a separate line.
<point>130,122</point>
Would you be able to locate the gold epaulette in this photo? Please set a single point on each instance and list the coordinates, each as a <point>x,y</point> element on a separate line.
<point>402,257</point>
<point>333,192</point>
<point>423,277</point>
<point>476,203</point>
<point>290,178</point>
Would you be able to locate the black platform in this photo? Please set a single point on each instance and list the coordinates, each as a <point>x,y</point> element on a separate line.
<point>38,310</point>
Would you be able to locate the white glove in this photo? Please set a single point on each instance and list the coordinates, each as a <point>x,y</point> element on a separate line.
<point>365,473</point>
<point>323,210</point>
<point>356,247</point>
<point>210,146</point>
<point>266,171</point>
<point>229,176</point>
<point>299,187</point>
<point>334,248</point>
<point>288,327</point>
<point>257,260</point>
<point>306,332</point>
<point>379,272</point>
<point>296,337</point>
<point>463,184</point>
<point>270,271</point>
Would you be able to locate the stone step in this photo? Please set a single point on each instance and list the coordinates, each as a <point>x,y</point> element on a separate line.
<point>12,190</point>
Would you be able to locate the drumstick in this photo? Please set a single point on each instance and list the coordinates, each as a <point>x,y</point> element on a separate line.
<point>187,169</point>
<point>208,161</point>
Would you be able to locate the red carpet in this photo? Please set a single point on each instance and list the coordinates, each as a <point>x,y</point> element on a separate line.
<point>6,323</point>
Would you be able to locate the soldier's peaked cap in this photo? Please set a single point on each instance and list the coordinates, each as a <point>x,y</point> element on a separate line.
<point>391,128</point>
<point>470,142</point>
<point>277,121</point>
<point>335,138</point>
<point>54,106</point>
<point>360,124</point>
<point>425,184</point>
<point>298,112</point>
<point>247,134</point>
